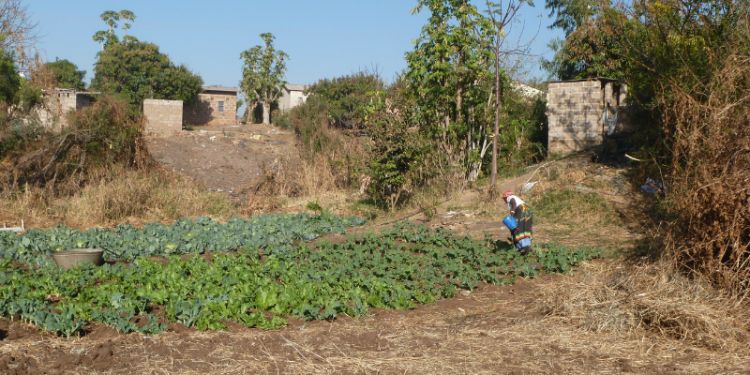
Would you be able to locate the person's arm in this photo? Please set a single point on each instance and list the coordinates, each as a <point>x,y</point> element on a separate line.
<point>512,206</point>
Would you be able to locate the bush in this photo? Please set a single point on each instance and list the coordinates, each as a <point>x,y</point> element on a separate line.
<point>398,155</point>
<point>347,98</point>
<point>98,136</point>
<point>345,154</point>
<point>710,176</point>
<point>698,94</point>
<point>523,137</point>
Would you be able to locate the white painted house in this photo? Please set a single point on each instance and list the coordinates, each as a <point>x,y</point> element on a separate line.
<point>292,96</point>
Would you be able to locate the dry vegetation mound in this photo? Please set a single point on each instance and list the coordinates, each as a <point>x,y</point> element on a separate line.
<point>710,233</point>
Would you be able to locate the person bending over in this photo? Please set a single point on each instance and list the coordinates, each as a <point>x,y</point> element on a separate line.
<point>521,234</point>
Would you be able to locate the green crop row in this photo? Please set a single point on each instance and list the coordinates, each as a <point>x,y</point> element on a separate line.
<point>399,268</point>
<point>126,242</point>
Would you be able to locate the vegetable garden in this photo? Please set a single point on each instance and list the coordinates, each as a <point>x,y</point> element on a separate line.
<point>255,272</point>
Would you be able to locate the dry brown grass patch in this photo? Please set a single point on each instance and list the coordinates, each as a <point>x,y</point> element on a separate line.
<point>114,196</point>
<point>653,298</point>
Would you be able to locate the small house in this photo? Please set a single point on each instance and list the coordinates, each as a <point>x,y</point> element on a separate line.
<point>292,96</point>
<point>581,114</point>
<point>58,102</point>
<point>215,105</point>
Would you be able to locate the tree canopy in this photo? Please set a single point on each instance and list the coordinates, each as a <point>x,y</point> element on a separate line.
<point>66,74</point>
<point>263,74</point>
<point>592,47</point>
<point>137,70</point>
<point>450,75</point>
<point>348,98</point>
<point>10,81</point>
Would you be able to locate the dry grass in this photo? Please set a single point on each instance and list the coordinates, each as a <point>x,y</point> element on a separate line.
<point>289,184</point>
<point>116,196</point>
<point>650,298</point>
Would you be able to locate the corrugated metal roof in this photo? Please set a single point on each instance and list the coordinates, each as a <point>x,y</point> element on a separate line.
<point>296,87</point>
<point>588,79</point>
<point>220,88</point>
<point>61,90</point>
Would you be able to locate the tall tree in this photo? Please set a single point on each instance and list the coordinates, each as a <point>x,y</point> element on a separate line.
<point>570,14</point>
<point>138,70</point>
<point>16,31</point>
<point>112,19</point>
<point>591,47</point>
<point>263,75</point>
<point>448,74</point>
<point>10,81</point>
<point>501,15</point>
<point>66,74</point>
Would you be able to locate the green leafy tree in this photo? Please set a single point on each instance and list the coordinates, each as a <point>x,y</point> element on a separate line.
<point>592,47</point>
<point>398,153</point>
<point>66,74</point>
<point>263,75</point>
<point>571,14</point>
<point>10,81</point>
<point>348,98</point>
<point>17,95</point>
<point>112,19</point>
<point>449,75</point>
<point>137,70</point>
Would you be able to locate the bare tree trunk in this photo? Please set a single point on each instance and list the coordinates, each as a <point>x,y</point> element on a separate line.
<point>266,112</point>
<point>496,130</point>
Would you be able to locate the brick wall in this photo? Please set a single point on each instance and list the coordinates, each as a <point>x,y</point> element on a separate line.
<point>55,107</point>
<point>163,117</point>
<point>207,110</point>
<point>574,113</point>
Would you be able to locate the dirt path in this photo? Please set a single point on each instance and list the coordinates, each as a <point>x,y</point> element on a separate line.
<point>225,159</point>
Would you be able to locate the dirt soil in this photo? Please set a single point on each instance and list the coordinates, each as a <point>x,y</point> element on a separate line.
<point>227,159</point>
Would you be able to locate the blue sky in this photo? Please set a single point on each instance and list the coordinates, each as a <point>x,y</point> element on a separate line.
<point>324,38</point>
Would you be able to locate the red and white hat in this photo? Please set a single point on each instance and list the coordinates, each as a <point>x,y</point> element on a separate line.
<point>507,194</point>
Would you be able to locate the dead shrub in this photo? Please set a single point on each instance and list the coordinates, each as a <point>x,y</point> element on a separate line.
<point>652,298</point>
<point>113,196</point>
<point>98,136</point>
<point>709,192</point>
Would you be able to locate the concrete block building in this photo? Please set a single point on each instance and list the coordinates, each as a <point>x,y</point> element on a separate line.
<point>58,102</point>
<point>292,96</point>
<point>582,113</point>
<point>162,117</point>
<point>216,105</point>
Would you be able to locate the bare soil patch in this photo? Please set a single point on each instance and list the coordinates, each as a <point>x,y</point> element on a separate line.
<point>225,159</point>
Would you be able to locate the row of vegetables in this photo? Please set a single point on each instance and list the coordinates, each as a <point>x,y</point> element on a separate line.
<point>126,242</point>
<point>262,284</point>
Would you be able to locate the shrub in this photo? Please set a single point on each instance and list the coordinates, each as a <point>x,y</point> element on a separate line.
<point>98,136</point>
<point>347,98</point>
<point>688,66</point>
<point>342,155</point>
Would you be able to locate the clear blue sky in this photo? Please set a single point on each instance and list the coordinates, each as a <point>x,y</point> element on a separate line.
<point>324,38</point>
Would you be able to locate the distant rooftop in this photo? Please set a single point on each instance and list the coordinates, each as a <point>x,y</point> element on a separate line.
<point>67,90</point>
<point>296,87</point>
<point>526,90</point>
<point>220,88</point>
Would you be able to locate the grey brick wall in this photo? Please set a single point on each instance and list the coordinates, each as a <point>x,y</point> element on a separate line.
<point>575,113</point>
<point>206,110</point>
<point>163,117</point>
